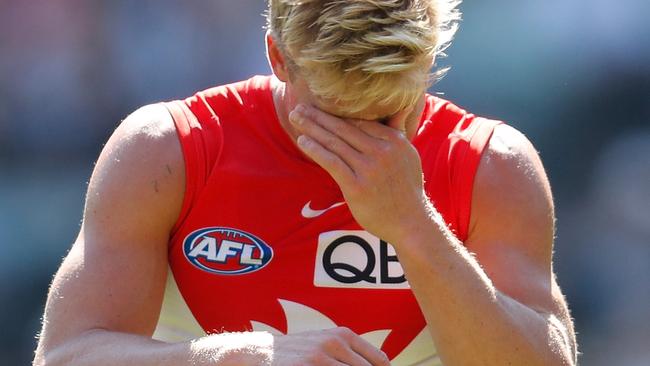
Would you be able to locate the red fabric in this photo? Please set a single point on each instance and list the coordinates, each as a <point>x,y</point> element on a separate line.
<point>243,172</point>
<point>450,142</point>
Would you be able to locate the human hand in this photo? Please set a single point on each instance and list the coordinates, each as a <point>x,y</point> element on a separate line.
<point>336,346</point>
<point>377,168</point>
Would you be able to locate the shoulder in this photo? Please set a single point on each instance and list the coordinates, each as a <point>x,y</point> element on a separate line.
<point>151,124</point>
<point>513,226</point>
<point>141,162</point>
<point>511,161</point>
<point>511,200</point>
<point>147,136</point>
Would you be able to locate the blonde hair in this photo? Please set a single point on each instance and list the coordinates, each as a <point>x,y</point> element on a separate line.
<point>360,52</point>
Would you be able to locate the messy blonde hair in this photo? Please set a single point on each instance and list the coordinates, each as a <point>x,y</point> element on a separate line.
<point>360,52</point>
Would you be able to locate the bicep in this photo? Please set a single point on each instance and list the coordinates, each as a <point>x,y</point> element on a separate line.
<point>113,277</point>
<point>512,224</point>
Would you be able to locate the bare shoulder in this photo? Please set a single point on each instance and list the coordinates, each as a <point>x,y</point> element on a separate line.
<point>512,219</point>
<point>151,121</point>
<point>513,226</point>
<point>511,181</point>
<point>142,161</point>
<point>509,157</point>
<point>148,132</point>
<point>119,257</point>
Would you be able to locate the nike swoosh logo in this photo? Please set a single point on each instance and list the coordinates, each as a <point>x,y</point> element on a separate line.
<point>309,213</point>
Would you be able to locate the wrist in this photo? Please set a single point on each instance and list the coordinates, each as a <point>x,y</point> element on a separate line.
<point>420,223</point>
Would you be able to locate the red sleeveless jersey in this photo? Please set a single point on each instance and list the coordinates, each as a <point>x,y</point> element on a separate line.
<point>265,241</point>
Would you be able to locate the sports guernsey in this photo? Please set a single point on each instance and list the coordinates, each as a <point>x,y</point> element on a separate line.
<point>265,241</point>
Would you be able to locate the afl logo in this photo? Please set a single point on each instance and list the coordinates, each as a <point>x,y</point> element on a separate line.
<point>226,251</point>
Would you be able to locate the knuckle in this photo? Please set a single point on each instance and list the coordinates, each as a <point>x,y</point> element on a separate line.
<point>373,172</point>
<point>365,165</point>
<point>357,123</point>
<point>384,149</point>
<point>327,119</point>
<point>331,344</point>
<point>316,358</point>
<point>319,119</point>
<point>306,112</point>
<point>383,358</point>
<point>332,144</point>
<point>331,162</point>
<point>395,135</point>
<point>383,161</point>
<point>345,333</point>
<point>377,151</point>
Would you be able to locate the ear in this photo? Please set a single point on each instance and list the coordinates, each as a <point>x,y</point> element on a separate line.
<point>276,59</point>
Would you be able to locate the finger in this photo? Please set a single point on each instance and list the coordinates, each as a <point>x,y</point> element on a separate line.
<point>347,130</point>
<point>340,349</point>
<point>328,140</point>
<point>333,362</point>
<point>352,358</point>
<point>368,352</point>
<point>338,169</point>
<point>379,131</point>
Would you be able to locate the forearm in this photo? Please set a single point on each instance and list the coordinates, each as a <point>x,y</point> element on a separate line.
<point>102,347</point>
<point>470,320</point>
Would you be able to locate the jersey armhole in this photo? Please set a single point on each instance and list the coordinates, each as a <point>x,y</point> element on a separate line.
<point>466,166</point>
<point>189,132</point>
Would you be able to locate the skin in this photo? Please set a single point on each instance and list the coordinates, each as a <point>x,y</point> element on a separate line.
<point>105,299</point>
<point>504,306</point>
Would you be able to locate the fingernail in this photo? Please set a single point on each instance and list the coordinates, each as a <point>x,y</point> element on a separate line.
<point>295,117</point>
<point>300,108</point>
<point>302,140</point>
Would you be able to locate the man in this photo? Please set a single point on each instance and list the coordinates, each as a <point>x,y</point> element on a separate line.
<point>279,206</point>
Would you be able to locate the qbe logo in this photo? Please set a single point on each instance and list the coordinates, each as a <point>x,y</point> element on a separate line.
<point>357,259</point>
<point>226,251</point>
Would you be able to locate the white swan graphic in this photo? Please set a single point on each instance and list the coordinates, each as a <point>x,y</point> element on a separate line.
<point>177,324</point>
<point>301,318</point>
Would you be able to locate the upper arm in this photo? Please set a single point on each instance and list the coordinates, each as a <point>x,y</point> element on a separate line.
<point>512,224</point>
<point>114,275</point>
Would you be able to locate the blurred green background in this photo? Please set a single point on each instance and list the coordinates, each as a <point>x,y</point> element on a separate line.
<point>573,75</point>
